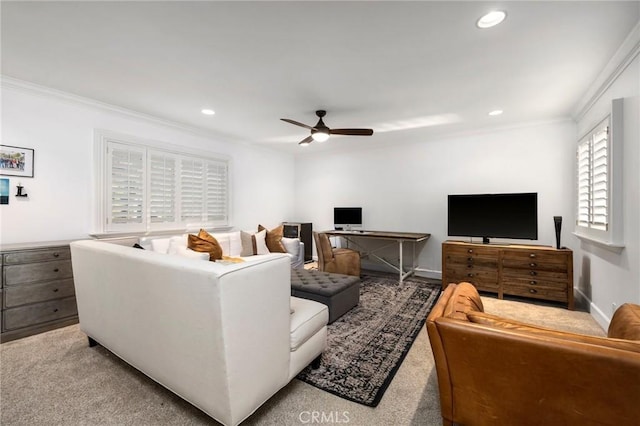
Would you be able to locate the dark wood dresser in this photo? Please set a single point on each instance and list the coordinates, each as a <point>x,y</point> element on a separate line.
<point>37,289</point>
<point>539,272</point>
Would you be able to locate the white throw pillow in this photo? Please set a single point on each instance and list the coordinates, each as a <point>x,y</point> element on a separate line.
<point>230,242</point>
<point>160,245</point>
<point>177,243</point>
<point>292,246</point>
<point>187,252</point>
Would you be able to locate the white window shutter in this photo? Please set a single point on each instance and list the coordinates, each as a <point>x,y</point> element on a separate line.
<point>599,183</point>
<point>216,193</point>
<point>192,190</point>
<point>126,187</point>
<point>584,183</point>
<point>162,188</point>
<point>593,180</point>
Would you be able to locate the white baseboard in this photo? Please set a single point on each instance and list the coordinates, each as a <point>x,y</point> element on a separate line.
<point>597,314</point>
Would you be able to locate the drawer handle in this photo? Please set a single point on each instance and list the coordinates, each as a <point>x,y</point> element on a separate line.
<point>533,265</point>
<point>534,273</point>
<point>55,310</point>
<point>469,266</point>
<point>470,275</point>
<point>532,255</point>
<point>469,259</point>
<point>533,291</point>
<point>533,282</point>
<point>470,251</point>
<point>55,290</point>
<point>56,270</point>
<point>56,254</point>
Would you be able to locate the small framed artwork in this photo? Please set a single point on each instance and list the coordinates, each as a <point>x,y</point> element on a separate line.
<point>16,161</point>
<point>4,191</point>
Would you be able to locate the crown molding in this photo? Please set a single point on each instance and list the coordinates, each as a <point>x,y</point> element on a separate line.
<point>624,56</point>
<point>36,89</point>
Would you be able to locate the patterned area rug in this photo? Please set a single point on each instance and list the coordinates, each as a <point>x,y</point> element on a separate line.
<point>367,345</point>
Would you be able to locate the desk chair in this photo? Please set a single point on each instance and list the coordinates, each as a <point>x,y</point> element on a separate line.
<point>336,260</point>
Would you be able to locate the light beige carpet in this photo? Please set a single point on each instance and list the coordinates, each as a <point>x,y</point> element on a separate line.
<point>55,379</point>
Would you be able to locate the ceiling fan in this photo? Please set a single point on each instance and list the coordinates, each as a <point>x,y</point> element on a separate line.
<point>320,132</point>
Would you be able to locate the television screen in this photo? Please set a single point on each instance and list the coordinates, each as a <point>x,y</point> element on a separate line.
<point>494,215</point>
<point>347,215</point>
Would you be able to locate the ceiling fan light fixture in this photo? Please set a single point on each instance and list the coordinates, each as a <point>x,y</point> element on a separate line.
<point>320,135</point>
<point>491,19</point>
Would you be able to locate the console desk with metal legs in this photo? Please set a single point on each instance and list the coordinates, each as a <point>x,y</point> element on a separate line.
<point>394,238</point>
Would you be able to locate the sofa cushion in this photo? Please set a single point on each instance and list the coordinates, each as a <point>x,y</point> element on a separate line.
<point>274,239</point>
<point>205,243</point>
<point>625,323</point>
<point>307,319</point>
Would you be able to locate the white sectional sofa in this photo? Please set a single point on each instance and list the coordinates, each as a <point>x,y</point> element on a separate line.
<point>225,337</point>
<point>230,242</point>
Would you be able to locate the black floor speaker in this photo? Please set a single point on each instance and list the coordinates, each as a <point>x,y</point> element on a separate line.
<point>557,220</point>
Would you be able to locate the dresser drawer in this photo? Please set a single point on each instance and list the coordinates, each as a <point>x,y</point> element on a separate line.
<point>482,279</point>
<point>534,282</point>
<point>34,293</point>
<point>455,260</point>
<point>514,273</point>
<point>537,256</point>
<point>31,256</point>
<point>24,316</point>
<point>30,273</point>
<point>546,293</point>
<point>467,251</point>
<point>534,264</point>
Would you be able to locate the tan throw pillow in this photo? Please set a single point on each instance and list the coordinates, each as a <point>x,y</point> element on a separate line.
<point>274,239</point>
<point>205,243</point>
<point>253,243</point>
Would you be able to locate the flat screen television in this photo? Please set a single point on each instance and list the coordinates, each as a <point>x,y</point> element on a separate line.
<point>513,216</point>
<point>347,216</point>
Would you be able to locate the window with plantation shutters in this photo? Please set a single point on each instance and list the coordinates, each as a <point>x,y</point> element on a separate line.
<point>593,179</point>
<point>599,189</point>
<point>148,189</point>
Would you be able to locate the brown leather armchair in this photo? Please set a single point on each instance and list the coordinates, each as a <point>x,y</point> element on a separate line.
<point>336,260</point>
<point>495,371</point>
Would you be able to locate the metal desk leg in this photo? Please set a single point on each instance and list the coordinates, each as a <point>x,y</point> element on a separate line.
<point>400,265</point>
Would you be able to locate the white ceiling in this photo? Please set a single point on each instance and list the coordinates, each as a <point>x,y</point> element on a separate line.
<point>415,69</point>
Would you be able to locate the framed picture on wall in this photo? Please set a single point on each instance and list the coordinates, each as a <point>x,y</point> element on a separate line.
<point>16,161</point>
<point>4,191</point>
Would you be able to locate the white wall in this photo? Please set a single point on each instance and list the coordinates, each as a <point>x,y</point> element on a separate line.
<point>60,203</point>
<point>406,188</point>
<point>605,277</point>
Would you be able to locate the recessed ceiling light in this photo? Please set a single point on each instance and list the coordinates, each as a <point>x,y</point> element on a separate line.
<point>208,111</point>
<point>496,112</point>
<point>491,19</point>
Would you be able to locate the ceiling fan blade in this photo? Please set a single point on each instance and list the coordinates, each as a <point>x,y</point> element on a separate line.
<point>352,132</point>
<point>306,141</point>
<point>297,123</point>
